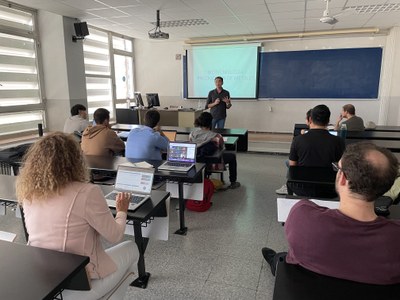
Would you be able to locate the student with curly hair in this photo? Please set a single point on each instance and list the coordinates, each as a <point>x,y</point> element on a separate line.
<point>64,212</point>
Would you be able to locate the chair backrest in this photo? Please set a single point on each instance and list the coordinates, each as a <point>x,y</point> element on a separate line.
<point>294,282</point>
<point>312,181</point>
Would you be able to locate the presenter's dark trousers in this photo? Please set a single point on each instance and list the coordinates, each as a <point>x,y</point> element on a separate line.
<point>230,159</point>
<point>218,123</point>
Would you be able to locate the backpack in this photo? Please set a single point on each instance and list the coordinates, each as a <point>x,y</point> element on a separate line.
<point>204,205</point>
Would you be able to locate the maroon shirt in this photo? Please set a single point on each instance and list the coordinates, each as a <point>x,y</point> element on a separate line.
<point>328,242</point>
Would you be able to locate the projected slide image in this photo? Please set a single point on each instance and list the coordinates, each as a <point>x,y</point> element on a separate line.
<point>236,64</point>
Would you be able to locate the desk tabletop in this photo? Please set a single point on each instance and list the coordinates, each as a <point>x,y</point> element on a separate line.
<point>385,128</point>
<point>110,164</point>
<point>35,273</point>
<point>147,209</point>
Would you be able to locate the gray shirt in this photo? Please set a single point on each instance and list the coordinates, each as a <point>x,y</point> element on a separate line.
<point>218,112</point>
<point>354,124</point>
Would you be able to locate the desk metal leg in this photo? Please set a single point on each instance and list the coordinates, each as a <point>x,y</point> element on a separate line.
<point>141,243</point>
<point>182,230</point>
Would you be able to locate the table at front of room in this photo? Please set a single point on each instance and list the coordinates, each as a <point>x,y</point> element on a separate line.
<point>194,175</point>
<point>28,272</point>
<point>152,207</point>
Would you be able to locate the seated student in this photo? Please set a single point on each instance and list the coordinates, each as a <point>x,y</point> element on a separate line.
<point>147,142</point>
<point>316,148</point>
<point>64,212</point>
<point>204,137</point>
<point>100,139</point>
<point>348,117</point>
<point>351,242</point>
<point>78,120</point>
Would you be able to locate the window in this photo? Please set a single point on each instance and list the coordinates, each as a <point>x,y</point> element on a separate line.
<point>20,95</point>
<point>102,74</point>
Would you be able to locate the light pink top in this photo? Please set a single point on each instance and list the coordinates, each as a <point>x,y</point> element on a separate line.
<point>73,222</point>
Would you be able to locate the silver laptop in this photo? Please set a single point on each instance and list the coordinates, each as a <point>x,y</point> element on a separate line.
<point>181,157</point>
<point>137,181</point>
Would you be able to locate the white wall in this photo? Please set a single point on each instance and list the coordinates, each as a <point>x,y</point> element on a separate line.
<point>157,71</point>
<point>63,68</point>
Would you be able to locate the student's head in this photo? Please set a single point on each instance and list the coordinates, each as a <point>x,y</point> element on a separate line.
<point>79,109</point>
<point>51,164</point>
<point>152,118</point>
<point>219,81</point>
<point>366,171</point>
<point>320,115</point>
<point>308,117</point>
<point>204,120</point>
<point>101,116</point>
<point>348,110</point>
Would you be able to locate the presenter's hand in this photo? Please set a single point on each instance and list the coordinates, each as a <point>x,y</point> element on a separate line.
<point>217,101</point>
<point>122,202</point>
<point>226,100</point>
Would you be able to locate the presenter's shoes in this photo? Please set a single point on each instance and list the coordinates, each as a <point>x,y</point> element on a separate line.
<point>234,185</point>
<point>269,256</point>
<point>282,190</point>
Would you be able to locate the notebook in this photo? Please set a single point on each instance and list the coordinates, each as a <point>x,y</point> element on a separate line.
<point>137,181</point>
<point>181,157</point>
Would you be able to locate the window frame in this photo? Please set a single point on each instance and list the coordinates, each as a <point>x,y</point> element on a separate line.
<point>112,52</point>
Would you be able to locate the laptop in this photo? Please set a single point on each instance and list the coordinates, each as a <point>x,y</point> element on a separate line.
<point>137,181</point>
<point>181,157</point>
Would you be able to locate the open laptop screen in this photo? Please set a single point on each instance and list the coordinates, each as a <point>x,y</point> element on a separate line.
<point>182,152</point>
<point>134,179</point>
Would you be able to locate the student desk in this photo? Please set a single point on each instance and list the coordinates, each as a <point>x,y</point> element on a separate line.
<point>391,145</point>
<point>241,133</point>
<point>35,273</point>
<point>110,164</point>
<point>385,128</point>
<point>294,282</point>
<point>153,207</point>
<point>374,135</point>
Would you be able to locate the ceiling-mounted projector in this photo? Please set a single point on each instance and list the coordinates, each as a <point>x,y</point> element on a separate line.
<point>156,32</point>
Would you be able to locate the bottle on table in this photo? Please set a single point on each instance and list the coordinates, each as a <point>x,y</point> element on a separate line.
<point>343,131</point>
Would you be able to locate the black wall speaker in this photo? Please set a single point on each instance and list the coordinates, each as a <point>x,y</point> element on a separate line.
<point>81,30</point>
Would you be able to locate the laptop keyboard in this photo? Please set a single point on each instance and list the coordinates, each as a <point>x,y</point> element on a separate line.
<point>175,164</point>
<point>134,198</point>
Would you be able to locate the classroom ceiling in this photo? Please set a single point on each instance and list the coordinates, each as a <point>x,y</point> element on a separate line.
<point>207,18</point>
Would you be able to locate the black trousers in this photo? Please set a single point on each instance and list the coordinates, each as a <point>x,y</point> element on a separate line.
<point>230,159</point>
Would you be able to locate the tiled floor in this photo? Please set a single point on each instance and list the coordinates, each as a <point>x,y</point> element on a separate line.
<point>220,257</point>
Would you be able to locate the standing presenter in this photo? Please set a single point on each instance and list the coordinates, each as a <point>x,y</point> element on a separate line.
<point>218,101</point>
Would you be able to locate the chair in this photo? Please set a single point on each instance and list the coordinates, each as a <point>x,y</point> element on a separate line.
<point>316,182</point>
<point>294,283</point>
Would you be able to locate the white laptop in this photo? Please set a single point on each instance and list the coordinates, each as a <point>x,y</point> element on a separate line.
<point>137,181</point>
<point>181,157</point>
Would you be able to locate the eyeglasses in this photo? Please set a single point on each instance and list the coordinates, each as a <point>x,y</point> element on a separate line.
<point>336,168</point>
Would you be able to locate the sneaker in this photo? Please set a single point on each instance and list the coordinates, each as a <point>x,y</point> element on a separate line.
<point>234,185</point>
<point>282,190</point>
<point>269,256</point>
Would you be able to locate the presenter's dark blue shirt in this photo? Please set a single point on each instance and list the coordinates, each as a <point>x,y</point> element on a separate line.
<point>218,112</point>
<point>145,143</point>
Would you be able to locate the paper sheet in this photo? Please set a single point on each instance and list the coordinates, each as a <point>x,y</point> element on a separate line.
<point>7,236</point>
<point>158,228</point>
<point>285,205</point>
